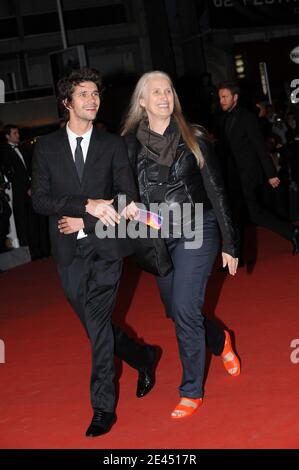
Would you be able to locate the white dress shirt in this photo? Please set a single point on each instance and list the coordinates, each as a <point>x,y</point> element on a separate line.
<point>84,145</point>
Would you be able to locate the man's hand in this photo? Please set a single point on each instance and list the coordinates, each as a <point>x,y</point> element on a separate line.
<point>230,262</point>
<point>68,225</point>
<point>274,182</point>
<point>103,210</point>
<point>131,211</point>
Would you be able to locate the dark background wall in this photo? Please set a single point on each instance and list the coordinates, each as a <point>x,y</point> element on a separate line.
<point>196,41</point>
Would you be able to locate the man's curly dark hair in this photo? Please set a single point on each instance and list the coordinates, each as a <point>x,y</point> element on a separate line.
<point>67,84</point>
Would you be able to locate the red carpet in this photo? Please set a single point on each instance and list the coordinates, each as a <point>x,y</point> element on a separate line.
<point>44,393</point>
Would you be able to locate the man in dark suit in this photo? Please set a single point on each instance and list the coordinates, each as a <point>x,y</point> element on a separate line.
<point>77,171</point>
<point>247,164</point>
<point>291,164</point>
<point>293,156</point>
<point>5,211</point>
<point>17,167</point>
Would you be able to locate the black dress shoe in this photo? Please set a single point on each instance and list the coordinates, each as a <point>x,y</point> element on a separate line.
<point>101,423</point>
<point>295,241</point>
<point>146,374</point>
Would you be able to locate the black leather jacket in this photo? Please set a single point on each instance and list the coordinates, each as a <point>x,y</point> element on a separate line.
<point>186,182</point>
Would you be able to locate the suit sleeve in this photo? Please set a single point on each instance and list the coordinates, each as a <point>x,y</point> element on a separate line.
<point>89,223</point>
<point>122,181</point>
<point>7,165</point>
<point>214,186</point>
<point>42,199</point>
<point>257,140</point>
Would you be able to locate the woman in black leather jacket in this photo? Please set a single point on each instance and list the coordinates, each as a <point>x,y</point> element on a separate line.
<point>174,164</point>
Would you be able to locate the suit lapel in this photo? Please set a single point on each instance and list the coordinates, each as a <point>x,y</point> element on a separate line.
<point>92,154</point>
<point>233,120</point>
<point>66,153</point>
<point>230,124</point>
<point>16,159</point>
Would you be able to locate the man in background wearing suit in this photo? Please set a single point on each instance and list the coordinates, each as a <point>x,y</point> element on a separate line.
<point>77,171</point>
<point>17,167</point>
<point>5,211</point>
<point>247,165</point>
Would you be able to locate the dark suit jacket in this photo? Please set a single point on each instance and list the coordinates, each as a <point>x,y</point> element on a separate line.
<point>16,172</point>
<point>245,143</point>
<point>293,160</point>
<point>57,190</point>
<point>19,177</point>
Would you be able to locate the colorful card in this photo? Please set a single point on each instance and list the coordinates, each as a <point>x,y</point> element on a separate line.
<point>150,218</point>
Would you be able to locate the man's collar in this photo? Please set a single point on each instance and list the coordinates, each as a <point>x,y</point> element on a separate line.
<point>233,109</point>
<point>72,134</point>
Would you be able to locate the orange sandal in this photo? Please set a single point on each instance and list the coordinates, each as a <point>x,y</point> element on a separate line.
<point>186,407</point>
<point>230,359</point>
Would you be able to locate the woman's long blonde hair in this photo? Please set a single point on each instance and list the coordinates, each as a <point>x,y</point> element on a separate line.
<point>136,113</point>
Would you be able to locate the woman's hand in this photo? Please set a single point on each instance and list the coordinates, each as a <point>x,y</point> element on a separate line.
<point>131,211</point>
<point>103,210</point>
<point>230,262</point>
<point>68,225</point>
<point>274,182</point>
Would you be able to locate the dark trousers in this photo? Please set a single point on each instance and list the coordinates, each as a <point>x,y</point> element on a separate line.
<point>5,213</point>
<point>263,217</point>
<point>182,293</point>
<point>26,221</point>
<point>248,204</point>
<point>20,212</point>
<point>90,285</point>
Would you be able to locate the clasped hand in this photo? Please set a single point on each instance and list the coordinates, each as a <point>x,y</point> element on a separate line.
<point>103,210</point>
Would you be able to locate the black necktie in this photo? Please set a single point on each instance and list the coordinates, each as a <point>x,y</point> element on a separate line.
<point>79,160</point>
